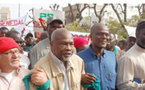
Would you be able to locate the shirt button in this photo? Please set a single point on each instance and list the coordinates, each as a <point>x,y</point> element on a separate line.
<point>95,56</point>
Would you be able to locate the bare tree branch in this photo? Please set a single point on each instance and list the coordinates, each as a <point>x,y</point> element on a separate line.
<point>95,10</point>
<point>139,9</point>
<point>72,15</point>
<point>29,22</point>
<point>101,13</point>
<point>119,18</point>
<point>79,15</point>
<point>54,7</point>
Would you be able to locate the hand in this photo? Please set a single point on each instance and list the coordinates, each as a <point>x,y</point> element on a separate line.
<point>38,77</point>
<point>88,78</point>
<point>144,81</point>
<point>44,24</point>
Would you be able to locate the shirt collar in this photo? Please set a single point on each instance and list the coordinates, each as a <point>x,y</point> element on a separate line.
<point>92,52</point>
<point>58,61</point>
<point>17,71</point>
<point>139,48</point>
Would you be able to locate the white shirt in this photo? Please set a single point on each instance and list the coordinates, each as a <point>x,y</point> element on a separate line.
<point>64,71</point>
<point>130,66</point>
<point>24,61</point>
<point>8,76</point>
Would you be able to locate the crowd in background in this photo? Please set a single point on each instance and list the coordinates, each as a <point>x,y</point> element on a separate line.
<point>103,60</point>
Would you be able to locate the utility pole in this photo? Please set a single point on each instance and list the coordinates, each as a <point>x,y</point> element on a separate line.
<point>19,9</point>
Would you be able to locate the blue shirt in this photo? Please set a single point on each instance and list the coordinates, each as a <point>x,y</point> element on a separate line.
<point>104,69</point>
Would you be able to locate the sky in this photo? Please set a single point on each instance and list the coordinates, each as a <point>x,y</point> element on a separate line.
<point>26,5</point>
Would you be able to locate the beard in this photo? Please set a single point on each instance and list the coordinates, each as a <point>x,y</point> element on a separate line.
<point>66,58</point>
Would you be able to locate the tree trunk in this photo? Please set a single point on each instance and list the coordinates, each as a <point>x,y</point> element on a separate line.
<point>79,15</point>
<point>101,14</point>
<point>72,15</point>
<point>119,18</point>
<point>125,12</point>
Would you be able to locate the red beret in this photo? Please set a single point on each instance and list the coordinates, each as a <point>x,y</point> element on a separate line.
<point>80,41</point>
<point>7,44</point>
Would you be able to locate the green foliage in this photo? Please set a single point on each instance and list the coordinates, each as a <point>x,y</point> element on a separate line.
<point>75,26</point>
<point>135,20</point>
<point>115,27</point>
<point>12,28</point>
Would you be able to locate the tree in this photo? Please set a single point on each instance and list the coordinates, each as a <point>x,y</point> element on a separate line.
<point>75,26</point>
<point>115,27</point>
<point>31,18</point>
<point>118,15</point>
<point>80,8</point>
<point>124,11</point>
<point>71,11</point>
<point>100,14</point>
<point>54,7</point>
<point>141,10</point>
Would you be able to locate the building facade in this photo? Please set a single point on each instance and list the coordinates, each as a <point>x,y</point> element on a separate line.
<point>5,14</point>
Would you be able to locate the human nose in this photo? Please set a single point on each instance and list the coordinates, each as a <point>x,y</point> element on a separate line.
<point>69,47</point>
<point>15,53</point>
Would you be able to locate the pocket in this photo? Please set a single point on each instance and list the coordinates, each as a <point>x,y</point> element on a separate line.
<point>75,82</point>
<point>111,80</point>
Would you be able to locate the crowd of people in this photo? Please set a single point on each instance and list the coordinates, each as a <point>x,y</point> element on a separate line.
<point>60,61</point>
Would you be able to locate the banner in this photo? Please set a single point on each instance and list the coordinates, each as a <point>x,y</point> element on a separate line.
<point>17,24</point>
<point>44,14</point>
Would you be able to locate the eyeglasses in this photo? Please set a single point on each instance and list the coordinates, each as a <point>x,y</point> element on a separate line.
<point>11,52</point>
<point>102,34</point>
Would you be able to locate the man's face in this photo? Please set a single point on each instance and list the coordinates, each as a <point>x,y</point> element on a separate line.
<point>131,41</point>
<point>141,39</point>
<point>18,39</point>
<point>63,48</point>
<point>122,45</point>
<point>29,41</point>
<point>52,27</point>
<point>111,42</point>
<point>100,38</point>
<point>10,59</point>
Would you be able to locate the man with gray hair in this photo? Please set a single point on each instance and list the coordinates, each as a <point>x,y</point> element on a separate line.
<point>61,66</point>
<point>42,48</point>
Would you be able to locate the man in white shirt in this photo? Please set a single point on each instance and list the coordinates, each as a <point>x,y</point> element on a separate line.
<point>11,74</point>
<point>132,64</point>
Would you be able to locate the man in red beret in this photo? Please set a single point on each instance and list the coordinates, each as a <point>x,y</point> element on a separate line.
<point>11,74</point>
<point>80,43</point>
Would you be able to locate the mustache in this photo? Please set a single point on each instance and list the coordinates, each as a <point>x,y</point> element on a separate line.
<point>67,52</point>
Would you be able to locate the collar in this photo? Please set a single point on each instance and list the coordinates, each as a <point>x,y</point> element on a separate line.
<point>54,61</point>
<point>17,71</point>
<point>58,61</point>
<point>139,48</point>
<point>92,52</point>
